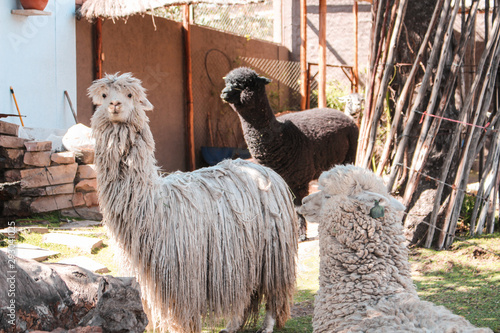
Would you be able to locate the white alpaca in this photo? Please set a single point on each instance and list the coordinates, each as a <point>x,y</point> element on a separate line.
<point>365,277</point>
<point>353,103</point>
<point>211,243</point>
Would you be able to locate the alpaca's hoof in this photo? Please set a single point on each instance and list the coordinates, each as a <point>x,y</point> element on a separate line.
<point>264,330</point>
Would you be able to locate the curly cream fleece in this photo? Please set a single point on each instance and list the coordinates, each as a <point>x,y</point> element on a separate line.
<point>365,278</point>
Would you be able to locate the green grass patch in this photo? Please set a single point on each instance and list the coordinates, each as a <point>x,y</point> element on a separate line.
<point>103,255</point>
<point>52,219</point>
<point>465,279</point>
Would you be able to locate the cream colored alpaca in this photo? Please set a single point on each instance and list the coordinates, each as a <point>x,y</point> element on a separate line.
<point>212,243</point>
<point>365,279</point>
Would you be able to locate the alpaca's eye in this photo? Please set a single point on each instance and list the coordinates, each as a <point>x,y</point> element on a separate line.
<point>129,95</point>
<point>103,95</point>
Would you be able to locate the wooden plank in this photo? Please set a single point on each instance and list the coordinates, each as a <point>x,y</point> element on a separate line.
<point>322,55</point>
<point>98,48</point>
<point>355,67</point>
<point>189,118</point>
<point>304,80</point>
<point>30,12</point>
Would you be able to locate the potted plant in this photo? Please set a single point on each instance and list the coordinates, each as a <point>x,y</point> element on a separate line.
<point>34,4</point>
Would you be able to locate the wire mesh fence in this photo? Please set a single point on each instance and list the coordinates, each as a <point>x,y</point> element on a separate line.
<point>215,123</point>
<point>252,20</point>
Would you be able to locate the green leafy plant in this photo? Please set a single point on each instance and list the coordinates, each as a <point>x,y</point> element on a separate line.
<point>466,213</point>
<point>334,91</point>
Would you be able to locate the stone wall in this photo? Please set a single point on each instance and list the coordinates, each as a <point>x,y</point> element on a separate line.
<point>33,179</point>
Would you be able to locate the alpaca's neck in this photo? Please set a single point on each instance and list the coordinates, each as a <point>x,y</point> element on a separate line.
<point>126,168</point>
<point>378,266</point>
<point>256,113</point>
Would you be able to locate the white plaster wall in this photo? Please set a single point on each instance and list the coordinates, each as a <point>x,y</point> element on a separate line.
<point>38,59</point>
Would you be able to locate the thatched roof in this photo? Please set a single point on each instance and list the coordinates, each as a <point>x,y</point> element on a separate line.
<point>123,8</point>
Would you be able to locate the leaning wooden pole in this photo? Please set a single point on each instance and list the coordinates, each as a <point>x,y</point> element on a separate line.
<point>408,87</point>
<point>446,235</point>
<point>355,67</point>
<point>189,115</point>
<point>422,92</point>
<point>322,55</point>
<point>303,55</point>
<point>392,45</point>
<point>377,33</point>
<point>98,49</point>
<point>425,142</point>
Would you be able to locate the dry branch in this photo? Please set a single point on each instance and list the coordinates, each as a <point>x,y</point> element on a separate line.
<point>484,77</point>
<point>408,87</point>
<point>438,39</point>
<point>372,124</point>
<point>428,133</point>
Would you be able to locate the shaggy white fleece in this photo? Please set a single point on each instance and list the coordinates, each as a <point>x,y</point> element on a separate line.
<point>365,277</point>
<point>212,243</point>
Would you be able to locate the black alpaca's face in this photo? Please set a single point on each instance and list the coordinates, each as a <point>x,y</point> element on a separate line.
<point>231,94</point>
<point>241,86</point>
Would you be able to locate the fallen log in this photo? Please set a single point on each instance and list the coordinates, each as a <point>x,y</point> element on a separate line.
<point>50,296</point>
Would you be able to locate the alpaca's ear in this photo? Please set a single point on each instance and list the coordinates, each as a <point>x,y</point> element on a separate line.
<point>146,105</point>
<point>265,80</point>
<point>97,100</point>
<point>96,91</point>
<point>368,196</point>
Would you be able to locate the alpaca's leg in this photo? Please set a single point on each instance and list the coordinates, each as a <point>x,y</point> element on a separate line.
<point>268,324</point>
<point>302,226</point>
<point>233,326</point>
<point>300,193</point>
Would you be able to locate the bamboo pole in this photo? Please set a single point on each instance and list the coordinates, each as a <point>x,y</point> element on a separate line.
<point>490,226</point>
<point>466,33</point>
<point>189,117</point>
<point>98,48</point>
<point>485,187</point>
<point>377,86</point>
<point>444,173</point>
<point>489,185</point>
<point>496,199</point>
<point>407,88</point>
<point>482,107</point>
<point>425,142</point>
<point>322,55</point>
<point>385,81</point>
<point>438,39</point>
<point>355,67</point>
<point>455,139</point>
<point>378,32</point>
<point>303,55</point>
<point>380,17</point>
<point>468,152</point>
<point>308,77</point>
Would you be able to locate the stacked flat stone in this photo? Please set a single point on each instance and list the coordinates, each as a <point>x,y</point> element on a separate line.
<point>33,179</point>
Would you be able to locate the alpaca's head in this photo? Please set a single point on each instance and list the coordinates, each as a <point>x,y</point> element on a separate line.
<point>119,98</point>
<point>345,182</point>
<point>242,84</point>
<point>353,103</point>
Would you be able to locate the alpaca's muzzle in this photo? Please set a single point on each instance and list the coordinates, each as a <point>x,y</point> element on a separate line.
<point>230,94</point>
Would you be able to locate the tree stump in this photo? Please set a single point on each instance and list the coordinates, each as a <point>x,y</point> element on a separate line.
<point>51,296</point>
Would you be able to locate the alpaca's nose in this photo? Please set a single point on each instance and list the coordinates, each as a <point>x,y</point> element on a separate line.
<point>114,106</point>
